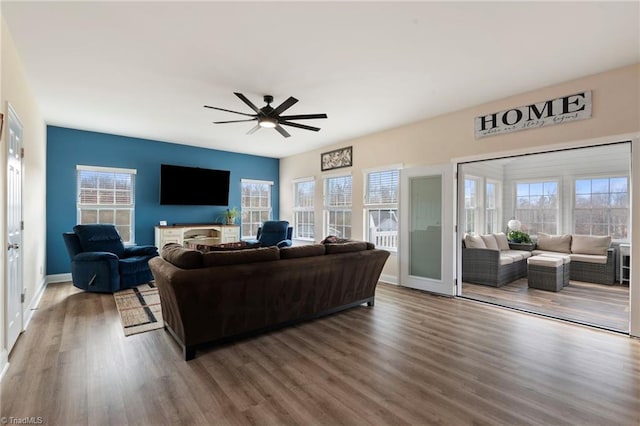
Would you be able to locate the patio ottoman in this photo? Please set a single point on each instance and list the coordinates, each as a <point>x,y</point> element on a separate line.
<point>545,273</point>
<point>566,266</point>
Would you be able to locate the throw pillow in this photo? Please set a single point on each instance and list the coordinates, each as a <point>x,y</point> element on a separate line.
<point>490,241</point>
<point>474,241</point>
<point>588,244</point>
<point>501,239</point>
<point>559,243</point>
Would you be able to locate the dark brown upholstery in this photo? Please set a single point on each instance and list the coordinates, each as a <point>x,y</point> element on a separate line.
<point>182,257</point>
<point>212,304</point>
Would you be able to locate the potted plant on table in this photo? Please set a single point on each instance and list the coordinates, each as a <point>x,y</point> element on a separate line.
<point>231,215</point>
<point>519,237</point>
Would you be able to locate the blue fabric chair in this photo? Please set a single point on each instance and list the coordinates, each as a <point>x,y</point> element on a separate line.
<point>275,233</point>
<point>101,263</point>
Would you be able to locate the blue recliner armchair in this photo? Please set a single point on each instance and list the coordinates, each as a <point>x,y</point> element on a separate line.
<point>101,263</point>
<point>275,233</point>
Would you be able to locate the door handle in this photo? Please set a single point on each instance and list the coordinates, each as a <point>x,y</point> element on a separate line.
<point>13,246</point>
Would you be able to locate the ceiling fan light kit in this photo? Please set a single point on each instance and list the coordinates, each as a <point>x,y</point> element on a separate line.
<point>270,117</point>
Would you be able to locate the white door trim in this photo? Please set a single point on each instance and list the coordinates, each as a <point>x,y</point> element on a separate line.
<point>446,284</point>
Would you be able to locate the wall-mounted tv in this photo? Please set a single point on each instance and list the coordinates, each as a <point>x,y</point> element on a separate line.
<point>193,186</point>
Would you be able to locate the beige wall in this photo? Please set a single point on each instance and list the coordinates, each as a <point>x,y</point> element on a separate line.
<point>448,137</point>
<point>15,89</point>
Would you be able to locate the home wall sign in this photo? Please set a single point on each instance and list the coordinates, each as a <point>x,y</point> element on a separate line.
<point>336,159</point>
<point>541,114</point>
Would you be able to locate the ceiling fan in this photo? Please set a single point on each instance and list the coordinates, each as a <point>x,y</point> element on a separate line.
<point>270,117</point>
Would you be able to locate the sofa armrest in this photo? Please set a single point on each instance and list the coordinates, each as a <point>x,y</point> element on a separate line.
<point>140,251</point>
<point>482,255</point>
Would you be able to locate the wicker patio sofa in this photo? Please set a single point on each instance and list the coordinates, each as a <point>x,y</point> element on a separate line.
<point>592,257</point>
<point>488,260</point>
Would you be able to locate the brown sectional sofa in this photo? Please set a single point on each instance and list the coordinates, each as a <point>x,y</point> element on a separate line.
<point>216,296</point>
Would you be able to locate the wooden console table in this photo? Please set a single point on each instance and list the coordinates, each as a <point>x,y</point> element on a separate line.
<point>196,233</point>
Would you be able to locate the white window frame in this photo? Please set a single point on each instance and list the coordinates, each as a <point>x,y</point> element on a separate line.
<point>476,210</point>
<point>602,176</point>
<point>497,210</point>
<point>102,206</point>
<point>328,209</point>
<point>388,241</point>
<point>299,210</point>
<point>250,211</point>
<point>558,182</point>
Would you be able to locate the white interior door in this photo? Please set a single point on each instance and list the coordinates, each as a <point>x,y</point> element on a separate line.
<point>427,229</point>
<point>14,229</point>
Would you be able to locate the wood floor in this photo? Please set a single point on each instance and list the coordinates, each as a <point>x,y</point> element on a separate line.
<point>605,306</point>
<point>412,359</point>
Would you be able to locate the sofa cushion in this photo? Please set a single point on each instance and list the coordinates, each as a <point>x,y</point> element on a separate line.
<point>302,251</point>
<point>220,258</point>
<point>505,259</point>
<point>588,244</point>
<point>345,247</point>
<point>559,243</point>
<point>490,241</point>
<point>474,241</point>
<point>182,257</point>
<point>501,239</point>
<point>589,258</point>
<point>516,254</point>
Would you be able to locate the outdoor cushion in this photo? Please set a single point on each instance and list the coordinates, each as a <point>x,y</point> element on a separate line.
<point>490,241</point>
<point>560,243</point>
<point>474,241</point>
<point>590,258</point>
<point>505,260</point>
<point>588,244</point>
<point>501,239</point>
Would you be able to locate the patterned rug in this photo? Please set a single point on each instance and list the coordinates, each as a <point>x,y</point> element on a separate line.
<point>139,309</point>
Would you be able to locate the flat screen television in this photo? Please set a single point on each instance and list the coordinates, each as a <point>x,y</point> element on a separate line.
<point>193,186</point>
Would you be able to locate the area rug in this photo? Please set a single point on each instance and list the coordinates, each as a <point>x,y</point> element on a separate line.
<point>139,309</point>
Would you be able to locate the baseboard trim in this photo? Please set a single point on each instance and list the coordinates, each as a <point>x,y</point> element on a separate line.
<point>28,313</point>
<point>58,278</point>
<point>389,279</point>
<point>4,363</point>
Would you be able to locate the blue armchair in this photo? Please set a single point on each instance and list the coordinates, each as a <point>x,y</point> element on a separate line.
<point>101,263</point>
<point>275,233</point>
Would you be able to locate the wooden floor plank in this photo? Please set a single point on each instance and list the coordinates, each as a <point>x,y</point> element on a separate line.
<point>414,358</point>
<point>605,306</point>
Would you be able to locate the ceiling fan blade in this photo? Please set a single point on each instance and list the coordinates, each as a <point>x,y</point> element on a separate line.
<point>302,117</point>
<point>247,101</point>
<point>284,106</point>
<point>300,126</point>
<point>228,110</point>
<point>282,131</point>
<point>254,129</point>
<point>234,121</point>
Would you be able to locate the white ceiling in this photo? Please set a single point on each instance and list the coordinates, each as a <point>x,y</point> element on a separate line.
<point>146,69</point>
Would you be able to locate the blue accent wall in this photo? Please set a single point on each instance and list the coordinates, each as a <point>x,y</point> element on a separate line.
<point>67,148</point>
